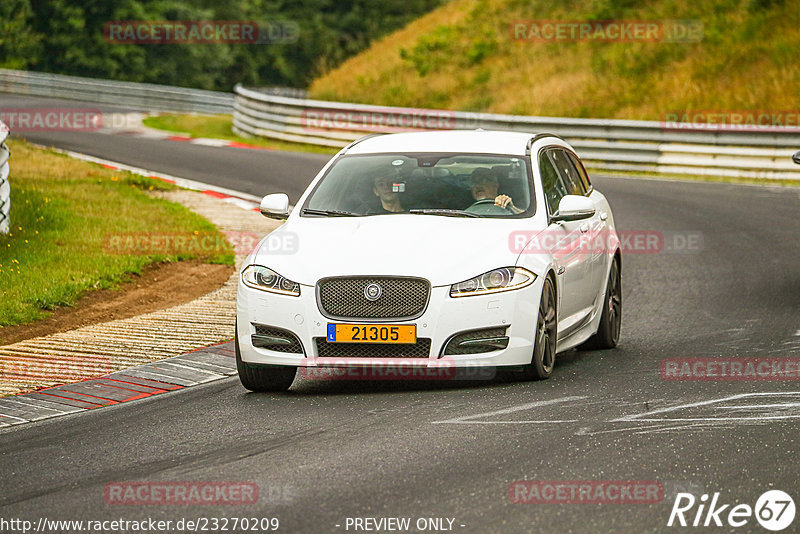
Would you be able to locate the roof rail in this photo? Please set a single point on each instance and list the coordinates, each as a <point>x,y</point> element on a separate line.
<point>536,138</point>
<point>362,138</point>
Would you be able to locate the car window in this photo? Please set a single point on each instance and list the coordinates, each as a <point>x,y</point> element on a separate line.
<point>377,184</point>
<point>565,168</point>
<point>587,184</point>
<point>551,183</point>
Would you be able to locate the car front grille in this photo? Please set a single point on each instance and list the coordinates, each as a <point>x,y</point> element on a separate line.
<point>420,349</point>
<point>400,299</point>
<point>283,340</point>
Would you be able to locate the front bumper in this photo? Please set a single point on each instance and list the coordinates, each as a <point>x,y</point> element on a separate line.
<point>444,317</point>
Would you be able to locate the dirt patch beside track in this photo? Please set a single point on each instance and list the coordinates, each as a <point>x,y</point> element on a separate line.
<point>160,286</point>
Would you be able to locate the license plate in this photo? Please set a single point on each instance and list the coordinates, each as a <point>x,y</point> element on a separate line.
<point>372,333</point>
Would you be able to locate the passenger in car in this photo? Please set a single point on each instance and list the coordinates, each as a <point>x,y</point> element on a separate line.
<point>383,188</point>
<point>486,185</point>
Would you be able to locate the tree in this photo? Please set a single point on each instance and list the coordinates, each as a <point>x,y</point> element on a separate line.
<point>19,46</point>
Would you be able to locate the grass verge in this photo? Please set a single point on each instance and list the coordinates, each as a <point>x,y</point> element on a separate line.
<point>63,214</point>
<point>220,127</point>
<point>463,55</point>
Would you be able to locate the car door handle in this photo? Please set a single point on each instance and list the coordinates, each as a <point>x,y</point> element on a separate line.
<point>584,228</point>
<point>603,215</point>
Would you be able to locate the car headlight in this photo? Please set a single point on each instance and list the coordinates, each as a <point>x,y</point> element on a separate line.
<point>259,277</point>
<point>504,279</point>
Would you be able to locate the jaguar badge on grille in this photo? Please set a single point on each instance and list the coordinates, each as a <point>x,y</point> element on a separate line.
<point>373,292</point>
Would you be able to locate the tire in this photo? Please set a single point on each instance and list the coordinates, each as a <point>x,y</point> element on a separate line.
<point>263,378</point>
<point>607,335</point>
<point>544,347</point>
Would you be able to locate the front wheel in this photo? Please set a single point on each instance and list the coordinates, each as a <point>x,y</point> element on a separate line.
<point>607,334</point>
<point>263,378</point>
<point>544,348</point>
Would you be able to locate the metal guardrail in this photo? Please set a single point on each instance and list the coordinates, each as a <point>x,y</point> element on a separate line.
<point>139,96</point>
<point>5,187</point>
<point>288,115</point>
<point>603,143</point>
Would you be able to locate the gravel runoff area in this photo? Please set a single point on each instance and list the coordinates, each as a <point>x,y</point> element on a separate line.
<point>103,348</point>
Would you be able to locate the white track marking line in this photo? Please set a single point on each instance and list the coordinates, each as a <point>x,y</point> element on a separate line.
<point>639,429</point>
<point>42,404</point>
<point>181,182</point>
<point>715,419</point>
<point>30,406</point>
<point>467,419</point>
<point>12,417</point>
<point>506,422</point>
<point>757,406</point>
<point>693,426</point>
<point>244,204</point>
<point>647,416</point>
<point>205,141</point>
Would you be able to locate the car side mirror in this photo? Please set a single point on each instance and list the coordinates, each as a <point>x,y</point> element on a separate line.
<point>275,206</point>
<point>796,157</point>
<point>574,208</point>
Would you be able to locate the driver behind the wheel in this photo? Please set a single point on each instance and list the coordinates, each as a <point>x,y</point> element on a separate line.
<point>383,187</point>
<point>485,186</point>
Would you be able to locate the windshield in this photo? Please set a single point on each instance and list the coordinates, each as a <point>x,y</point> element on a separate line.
<point>438,184</point>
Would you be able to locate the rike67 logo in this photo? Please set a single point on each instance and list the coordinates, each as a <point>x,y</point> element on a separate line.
<point>774,510</point>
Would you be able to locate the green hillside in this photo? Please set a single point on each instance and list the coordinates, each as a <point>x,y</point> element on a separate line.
<point>463,55</point>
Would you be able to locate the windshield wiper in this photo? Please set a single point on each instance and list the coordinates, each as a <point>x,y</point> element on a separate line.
<point>445,212</point>
<point>329,213</point>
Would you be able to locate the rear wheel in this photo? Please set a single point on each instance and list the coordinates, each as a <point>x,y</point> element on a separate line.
<point>263,378</point>
<point>544,348</point>
<point>607,334</point>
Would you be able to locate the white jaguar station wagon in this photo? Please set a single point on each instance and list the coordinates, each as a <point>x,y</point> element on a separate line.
<point>459,249</point>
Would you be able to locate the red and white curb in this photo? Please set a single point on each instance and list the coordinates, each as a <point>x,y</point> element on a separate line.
<point>197,367</point>
<point>204,141</point>
<point>130,125</point>
<point>207,364</point>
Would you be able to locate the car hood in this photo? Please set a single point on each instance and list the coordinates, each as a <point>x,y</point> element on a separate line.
<point>444,250</point>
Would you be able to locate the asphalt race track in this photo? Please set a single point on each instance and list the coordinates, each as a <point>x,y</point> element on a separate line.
<point>328,451</point>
